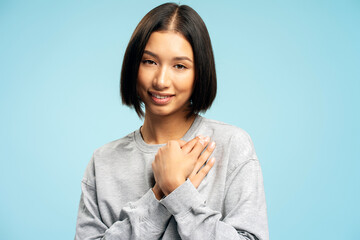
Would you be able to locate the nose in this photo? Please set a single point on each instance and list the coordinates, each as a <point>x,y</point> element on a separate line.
<point>161,80</point>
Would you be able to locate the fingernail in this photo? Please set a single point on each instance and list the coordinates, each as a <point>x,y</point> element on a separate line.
<point>200,137</point>
<point>212,160</point>
<point>212,146</point>
<point>204,141</point>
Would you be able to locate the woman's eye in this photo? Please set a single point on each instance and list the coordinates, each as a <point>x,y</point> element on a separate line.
<point>179,66</point>
<point>151,62</point>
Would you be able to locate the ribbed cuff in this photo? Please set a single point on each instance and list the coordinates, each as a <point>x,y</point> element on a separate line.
<point>182,199</point>
<point>155,212</point>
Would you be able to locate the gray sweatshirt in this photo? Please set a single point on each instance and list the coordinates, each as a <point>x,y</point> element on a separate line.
<point>117,201</point>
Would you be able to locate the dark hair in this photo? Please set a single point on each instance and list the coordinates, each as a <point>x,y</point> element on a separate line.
<point>182,19</point>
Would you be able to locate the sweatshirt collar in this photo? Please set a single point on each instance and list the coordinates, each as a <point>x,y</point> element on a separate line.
<point>190,134</point>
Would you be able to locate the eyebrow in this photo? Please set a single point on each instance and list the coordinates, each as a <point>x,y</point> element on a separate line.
<point>175,58</point>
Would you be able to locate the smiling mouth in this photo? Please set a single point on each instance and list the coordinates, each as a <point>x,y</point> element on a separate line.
<point>159,96</point>
<point>160,99</point>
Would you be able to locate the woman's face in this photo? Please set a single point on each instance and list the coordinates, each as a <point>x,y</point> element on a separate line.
<point>166,74</point>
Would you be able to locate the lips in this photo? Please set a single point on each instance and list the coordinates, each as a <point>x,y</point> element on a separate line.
<point>161,98</point>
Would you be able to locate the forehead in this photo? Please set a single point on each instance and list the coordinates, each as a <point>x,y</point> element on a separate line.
<point>169,44</point>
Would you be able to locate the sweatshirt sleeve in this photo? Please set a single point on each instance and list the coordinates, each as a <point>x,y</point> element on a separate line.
<point>145,218</point>
<point>244,204</point>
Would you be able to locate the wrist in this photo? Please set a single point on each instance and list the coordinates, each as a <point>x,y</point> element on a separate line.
<point>157,192</point>
<point>174,184</point>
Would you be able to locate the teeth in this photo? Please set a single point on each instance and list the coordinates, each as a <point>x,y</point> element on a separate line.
<point>160,97</point>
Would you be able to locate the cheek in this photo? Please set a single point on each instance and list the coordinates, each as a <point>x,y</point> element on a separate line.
<point>187,85</point>
<point>141,80</point>
<point>184,82</point>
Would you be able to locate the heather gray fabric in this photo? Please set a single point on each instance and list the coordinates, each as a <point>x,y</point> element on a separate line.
<point>117,201</point>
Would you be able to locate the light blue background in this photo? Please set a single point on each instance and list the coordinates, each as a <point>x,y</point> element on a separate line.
<point>288,73</point>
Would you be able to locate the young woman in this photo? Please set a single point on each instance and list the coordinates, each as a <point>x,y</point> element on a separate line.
<point>162,181</point>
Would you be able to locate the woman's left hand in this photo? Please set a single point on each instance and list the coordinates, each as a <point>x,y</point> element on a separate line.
<point>177,161</point>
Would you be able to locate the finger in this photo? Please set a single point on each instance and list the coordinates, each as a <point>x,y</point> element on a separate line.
<point>197,179</point>
<point>188,146</point>
<point>199,146</point>
<point>204,157</point>
<point>181,142</point>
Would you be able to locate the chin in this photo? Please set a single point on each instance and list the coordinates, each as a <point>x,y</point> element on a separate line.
<point>165,112</point>
<point>162,113</point>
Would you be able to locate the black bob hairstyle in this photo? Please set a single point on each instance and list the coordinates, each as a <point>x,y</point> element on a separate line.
<point>184,20</point>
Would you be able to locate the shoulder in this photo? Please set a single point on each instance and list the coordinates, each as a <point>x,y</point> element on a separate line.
<point>227,132</point>
<point>233,142</point>
<point>115,146</point>
<point>104,155</point>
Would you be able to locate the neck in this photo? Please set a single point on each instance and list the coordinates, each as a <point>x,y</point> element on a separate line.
<point>161,129</point>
